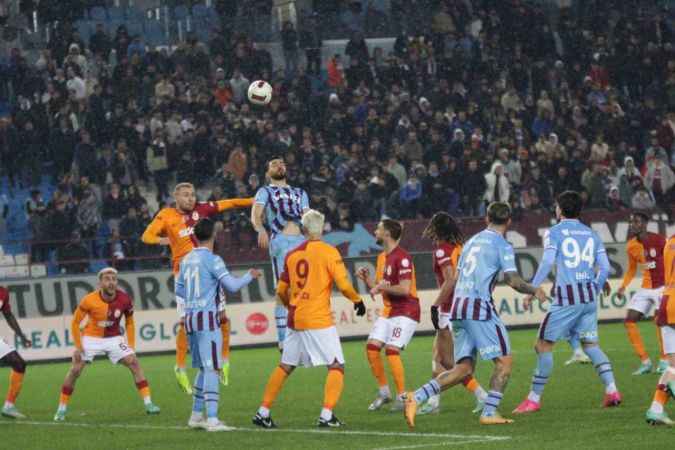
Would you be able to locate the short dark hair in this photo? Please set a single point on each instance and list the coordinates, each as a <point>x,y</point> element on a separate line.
<point>204,229</point>
<point>499,213</point>
<point>394,227</point>
<point>444,228</point>
<point>269,161</point>
<point>642,215</point>
<point>570,204</point>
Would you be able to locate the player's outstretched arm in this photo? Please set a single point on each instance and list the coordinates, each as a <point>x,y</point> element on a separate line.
<point>153,233</point>
<point>232,203</point>
<point>233,284</point>
<point>14,325</point>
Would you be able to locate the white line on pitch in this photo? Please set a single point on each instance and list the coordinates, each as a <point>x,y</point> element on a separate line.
<point>275,430</point>
<point>438,444</point>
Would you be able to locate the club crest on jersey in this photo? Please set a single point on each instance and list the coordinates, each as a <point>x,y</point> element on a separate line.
<point>195,216</point>
<point>652,252</point>
<point>117,314</point>
<point>439,253</point>
<point>388,270</point>
<point>405,262</point>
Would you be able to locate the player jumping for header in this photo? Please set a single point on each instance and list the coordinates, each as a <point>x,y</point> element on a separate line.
<point>104,309</point>
<point>282,206</point>
<point>201,276</point>
<point>10,357</point>
<point>477,327</point>
<point>576,251</point>
<point>173,227</point>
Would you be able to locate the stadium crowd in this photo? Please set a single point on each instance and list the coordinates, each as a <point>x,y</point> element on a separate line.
<point>497,100</point>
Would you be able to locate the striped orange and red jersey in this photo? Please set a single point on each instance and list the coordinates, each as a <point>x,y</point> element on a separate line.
<point>394,268</point>
<point>178,226</point>
<point>648,252</point>
<point>666,312</point>
<point>307,282</point>
<point>445,255</point>
<point>103,317</point>
<point>4,300</point>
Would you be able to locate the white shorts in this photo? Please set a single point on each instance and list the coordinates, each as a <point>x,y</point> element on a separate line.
<point>114,347</point>
<point>395,331</point>
<point>644,299</point>
<point>444,321</point>
<point>311,348</point>
<point>5,348</point>
<point>668,337</point>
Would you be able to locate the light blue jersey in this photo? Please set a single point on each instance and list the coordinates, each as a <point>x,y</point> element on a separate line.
<point>483,257</point>
<point>575,250</point>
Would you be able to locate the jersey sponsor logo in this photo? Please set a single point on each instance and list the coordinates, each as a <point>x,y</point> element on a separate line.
<point>185,232</point>
<point>405,262</point>
<point>105,323</point>
<point>257,323</point>
<point>440,253</point>
<point>489,350</point>
<point>651,265</point>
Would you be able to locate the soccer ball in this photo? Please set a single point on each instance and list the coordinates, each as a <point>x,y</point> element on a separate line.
<point>260,92</point>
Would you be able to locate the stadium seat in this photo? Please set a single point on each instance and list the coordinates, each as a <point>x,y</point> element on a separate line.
<point>135,27</point>
<point>154,33</point>
<point>6,260</point>
<point>98,13</point>
<point>38,270</point>
<point>117,13</point>
<point>21,259</point>
<point>180,13</point>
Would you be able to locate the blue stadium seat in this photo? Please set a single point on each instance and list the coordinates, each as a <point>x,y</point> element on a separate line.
<point>84,27</point>
<point>117,13</point>
<point>135,27</point>
<point>181,12</point>
<point>98,13</point>
<point>154,33</point>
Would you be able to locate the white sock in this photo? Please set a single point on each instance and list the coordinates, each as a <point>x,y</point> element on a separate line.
<point>533,397</point>
<point>197,416</point>
<point>434,401</point>
<point>579,352</point>
<point>212,421</point>
<point>265,412</point>
<point>8,405</point>
<point>646,361</point>
<point>326,414</point>
<point>610,388</point>
<point>656,408</point>
<point>401,397</point>
<point>385,392</point>
<point>480,394</point>
<point>147,400</point>
<point>62,407</point>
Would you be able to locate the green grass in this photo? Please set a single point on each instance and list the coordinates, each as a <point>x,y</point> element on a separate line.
<point>105,400</point>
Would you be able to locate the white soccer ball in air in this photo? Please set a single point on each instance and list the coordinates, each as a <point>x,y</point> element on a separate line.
<point>260,92</point>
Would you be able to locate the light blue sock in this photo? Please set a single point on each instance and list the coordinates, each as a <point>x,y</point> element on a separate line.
<point>211,392</point>
<point>492,403</point>
<point>281,316</point>
<point>575,342</point>
<point>198,393</point>
<point>601,364</point>
<point>426,391</point>
<point>542,372</point>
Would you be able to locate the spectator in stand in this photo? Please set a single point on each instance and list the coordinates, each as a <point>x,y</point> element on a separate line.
<point>614,202</point>
<point>660,181</point>
<point>498,188</point>
<point>99,42</point>
<point>289,44</point>
<point>88,218</point>
<point>239,85</point>
<point>158,164</point>
<point>473,190</point>
<point>312,41</point>
<point>60,225</point>
<point>114,206</point>
<point>642,200</point>
<point>73,258</point>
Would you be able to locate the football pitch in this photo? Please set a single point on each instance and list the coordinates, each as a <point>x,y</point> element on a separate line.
<point>106,412</point>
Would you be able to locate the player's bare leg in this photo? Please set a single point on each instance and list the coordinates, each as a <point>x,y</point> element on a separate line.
<point>498,382</point>
<point>131,362</point>
<point>263,417</point>
<point>69,385</point>
<point>635,338</point>
<point>373,350</point>
<point>181,355</point>
<point>665,388</point>
<point>442,382</point>
<point>18,365</point>
<point>332,393</point>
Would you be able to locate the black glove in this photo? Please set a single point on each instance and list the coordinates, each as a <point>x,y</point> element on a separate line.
<point>434,316</point>
<point>360,309</point>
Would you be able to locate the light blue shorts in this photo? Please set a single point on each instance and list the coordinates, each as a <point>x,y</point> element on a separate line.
<point>280,245</point>
<point>206,348</point>
<point>487,338</point>
<point>562,322</point>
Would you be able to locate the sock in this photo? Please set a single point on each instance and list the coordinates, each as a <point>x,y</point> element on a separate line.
<point>660,399</point>
<point>326,414</point>
<point>15,381</point>
<point>492,403</point>
<point>635,340</point>
<point>263,411</point>
<point>659,339</point>
<point>335,381</point>
<point>198,394</point>
<point>603,367</point>
<point>434,401</point>
<point>384,391</point>
<point>211,393</point>
<point>376,365</point>
<point>281,316</point>
<point>472,385</point>
<point>181,347</point>
<point>426,391</point>
<point>397,371</point>
<point>273,387</point>
<point>541,374</point>
<point>66,392</point>
<point>225,331</point>
<point>144,391</point>
<point>575,343</point>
